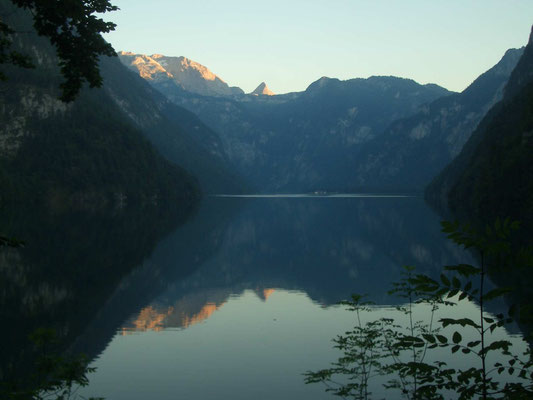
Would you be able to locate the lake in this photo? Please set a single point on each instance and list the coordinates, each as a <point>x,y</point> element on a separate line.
<point>237,302</point>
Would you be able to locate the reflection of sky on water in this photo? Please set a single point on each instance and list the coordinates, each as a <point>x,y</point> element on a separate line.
<point>258,306</point>
<point>248,348</point>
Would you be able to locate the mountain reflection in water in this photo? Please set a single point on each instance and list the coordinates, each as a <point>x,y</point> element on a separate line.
<point>257,279</point>
<point>327,247</point>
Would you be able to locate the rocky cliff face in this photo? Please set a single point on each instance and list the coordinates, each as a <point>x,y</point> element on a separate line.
<point>186,74</point>
<point>308,140</point>
<point>85,154</point>
<point>100,147</point>
<point>311,140</point>
<point>177,133</point>
<point>376,134</point>
<point>413,150</point>
<point>493,174</point>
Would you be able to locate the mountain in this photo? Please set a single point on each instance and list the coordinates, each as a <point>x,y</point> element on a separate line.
<point>311,140</point>
<point>177,133</point>
<point>493,174</point>
<point>413,150</point>
<point>308,140</point>
<point>73,262</point>
<point>225,232</point>
<point>84,154</point>
<point>186,74</point>
<point>262,90</point>
<point>95,150</point>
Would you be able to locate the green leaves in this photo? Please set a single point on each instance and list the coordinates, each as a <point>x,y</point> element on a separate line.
<point>457,337</point>
<point>76,32</point>
<point>495,293</point>
<point>465,270</point>
<point>429,338</point>
<point>495,238</point>
<point>442,339</point>
<point>459,321</point>
<point>55,375</point>
<point>10,242</point>
<point>408,344</point>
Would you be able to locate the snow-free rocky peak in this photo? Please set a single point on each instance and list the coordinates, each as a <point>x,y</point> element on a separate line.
<point>262,90</point>
<point>186,73</point>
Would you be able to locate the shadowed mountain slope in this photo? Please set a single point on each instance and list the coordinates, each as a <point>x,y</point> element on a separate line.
<point>413,150</point>
<point>493,175</point>
<point>302,141</point>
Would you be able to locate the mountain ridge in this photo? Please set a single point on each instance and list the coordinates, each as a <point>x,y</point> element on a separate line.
<point>84,154</point>
<point>274,141</point>
<point>413,150</point>
<point>182,71</point>
<point>493,175</point>
<point>338,138</point>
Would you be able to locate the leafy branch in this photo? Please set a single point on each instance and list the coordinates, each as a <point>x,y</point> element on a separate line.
<point>400,350</point>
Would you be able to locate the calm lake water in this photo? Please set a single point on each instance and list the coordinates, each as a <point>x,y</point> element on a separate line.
<point>240,300</point>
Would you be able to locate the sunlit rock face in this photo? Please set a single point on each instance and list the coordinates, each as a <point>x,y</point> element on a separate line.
<point>147,66</point>
<point>185,73</point>
<point>376,134</point>
<point>262,90</point>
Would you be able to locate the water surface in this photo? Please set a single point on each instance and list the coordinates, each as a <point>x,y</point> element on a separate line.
<point>260,307</point>
<point>241,299</point>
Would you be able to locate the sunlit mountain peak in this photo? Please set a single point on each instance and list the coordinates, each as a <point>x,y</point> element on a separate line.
<point>263,90</point>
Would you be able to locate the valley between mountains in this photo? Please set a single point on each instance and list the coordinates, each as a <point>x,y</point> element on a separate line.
<point>168,213</point>
<point>378,134</point>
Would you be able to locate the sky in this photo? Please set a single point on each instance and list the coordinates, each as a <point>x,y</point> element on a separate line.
<point>291,43</point>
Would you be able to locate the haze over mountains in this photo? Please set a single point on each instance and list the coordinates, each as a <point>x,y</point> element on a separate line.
<point>99,149</point>
<point>380,134</point>
<point>413,150</point>
<point>493,174</point>
<point>167,128</point>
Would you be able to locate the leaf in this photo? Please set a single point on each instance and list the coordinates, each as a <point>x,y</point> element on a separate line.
<point>495,293</point>
<point>497,345</point>
<point>461,321</point>
<point>445,280</point>
<point>455,349</point>
<point>452,293</point>
<point>465,270</point>
<point>429,338</point>
<point>442,339</point>
<point>457,337</point>
<point>456,282</point>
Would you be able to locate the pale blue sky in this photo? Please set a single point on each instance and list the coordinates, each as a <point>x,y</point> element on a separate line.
<point>291,43</point>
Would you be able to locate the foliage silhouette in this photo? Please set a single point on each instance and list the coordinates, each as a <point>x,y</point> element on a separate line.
<point>54,376</point>
<point>399,351</point>
<point>76,33</point>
